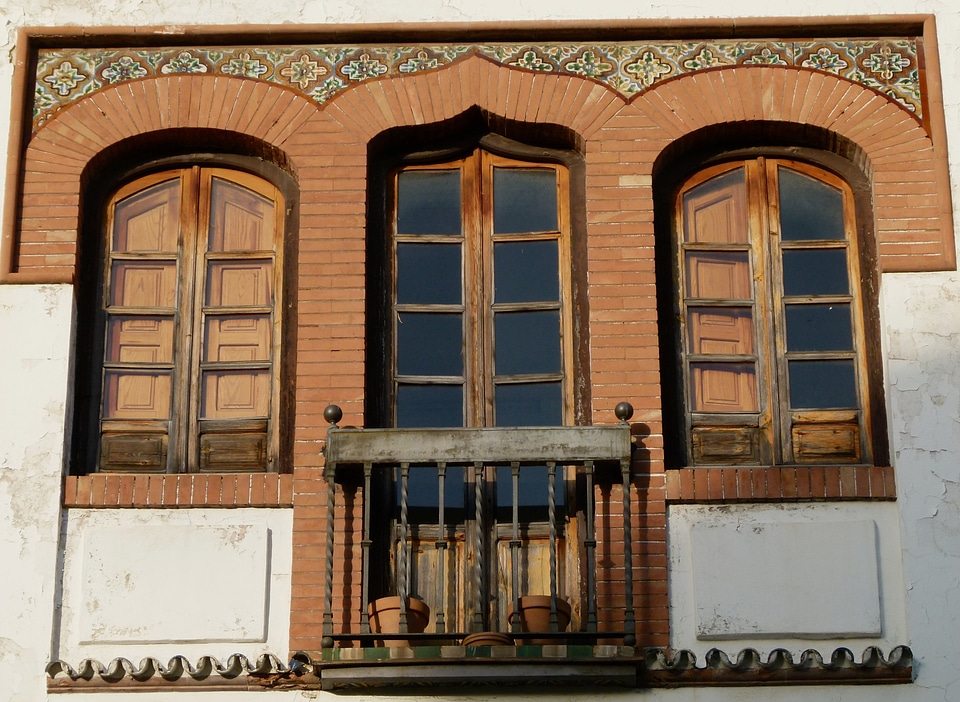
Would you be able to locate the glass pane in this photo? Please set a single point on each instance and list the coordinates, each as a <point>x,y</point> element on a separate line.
<point>822,384</point>
<point>532,488</point>
<point>815,272</point>
<point>149,222</point>
<point>237,338</point>
<point>524,200</point>
<point>235,394</point>
<point>240,284</point>
<point>429,344</point>
<point>526,271</point>
<point>716,211</point>
<point>429,274</point>
<point>819,328</point>
<point>723,387</point>
<point>720,330</point>
<point>240,219</point>
<point>430,406</point>
<point>136,395</point>
<point>809,208</point>
<point>428,202</point>
<point>527,342</point>
<point>423,490</point>
<point>143,284</point>
<point>140,340</point>
<point>529,405</point>
<point>716,275</point>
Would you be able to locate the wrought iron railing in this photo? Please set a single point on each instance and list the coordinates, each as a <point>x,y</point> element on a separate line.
<point>582,449</point>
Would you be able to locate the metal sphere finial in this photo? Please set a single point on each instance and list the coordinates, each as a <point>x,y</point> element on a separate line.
<point>623,411</point>
<point>333,414</point>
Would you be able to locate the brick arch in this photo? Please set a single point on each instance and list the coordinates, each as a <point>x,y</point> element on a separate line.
<point>913,233</point>
<point>58,154</point>
<point>374,106</point>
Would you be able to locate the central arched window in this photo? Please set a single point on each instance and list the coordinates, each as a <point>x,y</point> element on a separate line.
<point>771,332</point>
<point>480,318</point>
<point>476,294</point>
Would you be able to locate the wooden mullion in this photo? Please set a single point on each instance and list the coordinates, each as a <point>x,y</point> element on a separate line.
<point>194,227</point>
<point>120,311</point>
<point>528,378</point>
<point>764,226</point>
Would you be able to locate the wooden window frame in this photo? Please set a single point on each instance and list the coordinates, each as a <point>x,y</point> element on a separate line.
<point>732,441</point>
<point>477,304</point>
<point>184,441</point>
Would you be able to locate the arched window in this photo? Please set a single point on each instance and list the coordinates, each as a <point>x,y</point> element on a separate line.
<point>186,358</point>
<point>480,316</point>
<point>476,294</point>
<point>771,331</point>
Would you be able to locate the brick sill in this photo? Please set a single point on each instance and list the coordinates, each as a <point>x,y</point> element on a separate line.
<point>116,490</point>
<point>779,484</point>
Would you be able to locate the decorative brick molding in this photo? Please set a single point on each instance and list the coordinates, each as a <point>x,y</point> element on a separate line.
<point>159,490</point>
<point>714,485</point>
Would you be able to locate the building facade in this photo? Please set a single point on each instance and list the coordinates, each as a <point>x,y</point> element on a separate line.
<point>649,321</point>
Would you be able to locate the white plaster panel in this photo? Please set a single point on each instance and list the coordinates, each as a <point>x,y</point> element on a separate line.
<point>216,575</point>
<point>776,579</point>
<point>161,582</point>
<point>818,575</point>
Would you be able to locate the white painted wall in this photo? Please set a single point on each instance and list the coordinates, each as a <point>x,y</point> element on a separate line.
<point>165,582</point>
<point>921,339</point>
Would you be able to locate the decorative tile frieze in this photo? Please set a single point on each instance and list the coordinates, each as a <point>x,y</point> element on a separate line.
<point>888,65</point>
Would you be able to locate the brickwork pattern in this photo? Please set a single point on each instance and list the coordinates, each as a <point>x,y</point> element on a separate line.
<point>327,149</point>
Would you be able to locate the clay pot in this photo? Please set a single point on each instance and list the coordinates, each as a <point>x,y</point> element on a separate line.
<point>487,638</point>
<point>535,616</point>
<point>385,618</point>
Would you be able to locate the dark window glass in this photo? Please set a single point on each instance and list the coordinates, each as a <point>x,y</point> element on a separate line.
<point>524,200</point>
<point>429,343</point>
<point>815,272</point>
<point>819,327</point>
<point>529,405</point>
<point>527,342</point>
<point>532,487</point>
<point>822,384</point>
<point>423,490</point>
<point>430,406</point>
<point>429,274</point>
<point>526,271</point>
<point>428,202</point>
<point>809,209</point>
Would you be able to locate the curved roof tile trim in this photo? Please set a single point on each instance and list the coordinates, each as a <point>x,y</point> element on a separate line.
<point>654,668</point>
<point>889,65</point>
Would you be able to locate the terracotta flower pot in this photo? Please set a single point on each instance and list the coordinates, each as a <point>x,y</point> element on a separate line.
<point>385,618</point>
<point>487,638</point>
<point>535,616</point>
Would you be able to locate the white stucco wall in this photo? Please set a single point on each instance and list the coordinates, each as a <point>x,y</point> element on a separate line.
<point>921,340</point>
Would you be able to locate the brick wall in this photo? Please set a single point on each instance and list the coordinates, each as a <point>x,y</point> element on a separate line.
<point>325,147</point>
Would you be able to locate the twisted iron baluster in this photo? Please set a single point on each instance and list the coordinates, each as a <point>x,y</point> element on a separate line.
<point>403,571</point>
<point>330,470</point>
<point>478,614</point>
<point>365,544</point>
<point>441,546</point>
<point>552,518</point>
<point>515,545</point>
<point>590,543</point>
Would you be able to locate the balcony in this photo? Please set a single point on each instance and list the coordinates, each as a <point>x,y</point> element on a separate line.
<point>478,520</point>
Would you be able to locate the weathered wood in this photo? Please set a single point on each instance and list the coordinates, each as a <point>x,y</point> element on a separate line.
<point>485,445</point>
